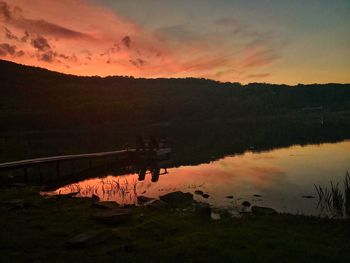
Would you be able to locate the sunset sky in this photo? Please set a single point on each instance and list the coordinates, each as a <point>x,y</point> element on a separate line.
<point>277,41</point>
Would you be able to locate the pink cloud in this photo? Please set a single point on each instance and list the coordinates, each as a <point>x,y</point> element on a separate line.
<point>85,39</point>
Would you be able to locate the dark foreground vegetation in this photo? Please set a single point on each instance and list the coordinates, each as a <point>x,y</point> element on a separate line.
<point>40,229</point>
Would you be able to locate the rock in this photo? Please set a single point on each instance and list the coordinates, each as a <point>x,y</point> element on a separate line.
<point>256,195</point>
<point>246,204</point>
<point>144,199</point>
<point>72,194</point>
<point>215,216</point>
<point>199,192</point>
<point>65,196</point>
<point>229,196</point>
<point>206,196</point>
<point>308,196</point>
<point>106,205</point>
<point>87,239</point>
<point>178,199</point>
<point>259,210</point>
<point>158,204</point>
<point>95,198</point>
<point>203,209</point>
<point>113,216</point>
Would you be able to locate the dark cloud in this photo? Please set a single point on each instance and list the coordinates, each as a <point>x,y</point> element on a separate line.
<point>10,50</point>
<point>5,12</point>
<point>44,27</point>
<point>138,62</point>
<point>14,16</point>
<point>126,41</point>
<point>51,56</point>
<point>48,56</point>
<point>6,49</point>
<point>9,34</point>
<point>25,37</point>
<point>40,43</point>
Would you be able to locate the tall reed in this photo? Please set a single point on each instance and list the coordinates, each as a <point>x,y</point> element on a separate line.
<point>335,200</point>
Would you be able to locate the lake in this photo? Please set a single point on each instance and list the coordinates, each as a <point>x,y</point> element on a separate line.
<point>279,178</point>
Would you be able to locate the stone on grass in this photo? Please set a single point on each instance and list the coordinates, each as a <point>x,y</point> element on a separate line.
<point>158,204</point>
<point>246,204</point>
<point>87,239</point>
<point>177,199</point>
<point>259,210</point>
<point>113,216</point>
<point>215,216</point>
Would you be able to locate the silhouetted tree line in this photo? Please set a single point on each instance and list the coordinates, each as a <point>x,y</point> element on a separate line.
<point>34,98</point>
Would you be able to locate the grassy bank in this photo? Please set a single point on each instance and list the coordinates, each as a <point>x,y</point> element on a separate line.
<point>38,233</point>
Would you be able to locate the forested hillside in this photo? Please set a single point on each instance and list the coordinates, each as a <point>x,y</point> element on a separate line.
<point>34,98</point>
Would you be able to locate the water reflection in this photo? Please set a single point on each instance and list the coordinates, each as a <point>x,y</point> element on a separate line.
<point>279,178</point>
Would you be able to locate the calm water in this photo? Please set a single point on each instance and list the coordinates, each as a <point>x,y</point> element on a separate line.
<point>280,177</point>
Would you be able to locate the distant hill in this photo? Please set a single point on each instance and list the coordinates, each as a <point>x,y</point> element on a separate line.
<point>35,98</point>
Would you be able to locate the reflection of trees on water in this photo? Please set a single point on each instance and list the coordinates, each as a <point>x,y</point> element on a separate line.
<point>122,189</point>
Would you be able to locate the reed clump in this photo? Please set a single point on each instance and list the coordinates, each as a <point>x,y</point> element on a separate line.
<point>334,199</point>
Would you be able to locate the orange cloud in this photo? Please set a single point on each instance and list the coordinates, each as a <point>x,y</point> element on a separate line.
<point>75,37</point>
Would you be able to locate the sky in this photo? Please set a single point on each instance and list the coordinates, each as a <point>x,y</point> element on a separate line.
<point>275,41</point>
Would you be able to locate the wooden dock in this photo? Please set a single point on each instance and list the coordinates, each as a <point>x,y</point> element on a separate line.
<point>132,155</point>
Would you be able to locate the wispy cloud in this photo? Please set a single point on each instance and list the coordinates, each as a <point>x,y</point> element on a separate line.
<point>49,34</point>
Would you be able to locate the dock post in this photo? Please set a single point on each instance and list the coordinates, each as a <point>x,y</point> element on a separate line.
<point>25,173</point>
<point>40,174</point>
<point>58,172</point>
<point>73,166</point>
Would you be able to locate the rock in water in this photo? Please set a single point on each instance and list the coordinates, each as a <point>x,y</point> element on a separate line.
<point>144,199</point>
<point>113,216</point>
<point>106,205</point>
<point>259,210</point>
<point>87,239</point>
<point>95,198</point>
<point>177,199</point>
<point>206,196</point>
<point>229,196</point>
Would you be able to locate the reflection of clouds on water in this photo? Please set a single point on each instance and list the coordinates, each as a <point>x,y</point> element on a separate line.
<point>281,179</point>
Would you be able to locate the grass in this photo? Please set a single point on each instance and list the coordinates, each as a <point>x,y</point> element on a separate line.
<point>38,234</point>
<point>334,200</point>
